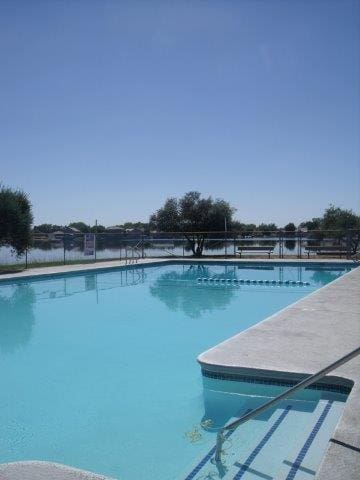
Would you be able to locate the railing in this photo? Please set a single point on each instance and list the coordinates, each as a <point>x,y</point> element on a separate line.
<point>299,386</point>
<point>132,258</point>
<point>62,247</point>
<point>135,254</point>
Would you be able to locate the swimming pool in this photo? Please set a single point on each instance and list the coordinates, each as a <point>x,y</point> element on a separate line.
<point>99,369</point>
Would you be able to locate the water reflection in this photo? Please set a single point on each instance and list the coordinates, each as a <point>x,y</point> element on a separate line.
<point>322,277</point>
<point>17,318</point>
<point>177,291</point>
<point>290,245</point>
<point>90,282</point>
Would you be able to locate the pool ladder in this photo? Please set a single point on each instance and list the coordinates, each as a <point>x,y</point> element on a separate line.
<point>134,256</point>
<point>299,386</point>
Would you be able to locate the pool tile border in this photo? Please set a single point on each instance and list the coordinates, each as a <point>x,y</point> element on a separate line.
<point>329,387</point>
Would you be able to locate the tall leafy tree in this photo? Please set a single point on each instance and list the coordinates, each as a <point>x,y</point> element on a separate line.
<point>342,224</point>
<point>15,219</point>
<point>267,228</point>
<point>290,228</point>
<point>47,228</point>
<point>336,218</point>
<point>194,216</point>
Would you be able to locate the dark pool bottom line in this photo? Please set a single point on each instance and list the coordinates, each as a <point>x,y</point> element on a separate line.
<point>235,377</point>
<point>245,466</point>
<point>297,464</point>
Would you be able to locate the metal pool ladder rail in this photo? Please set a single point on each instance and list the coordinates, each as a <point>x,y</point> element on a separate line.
<point>299,386</point>
<point>135,254</point>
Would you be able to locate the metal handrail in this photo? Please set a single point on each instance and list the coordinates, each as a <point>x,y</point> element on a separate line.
<point>299,386</point>
<point>133,250</point>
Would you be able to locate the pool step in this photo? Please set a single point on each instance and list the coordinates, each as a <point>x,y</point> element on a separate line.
<point>285,446</point>
<point>305,456</point>
<point>203,467</point>
<point>267,456</point>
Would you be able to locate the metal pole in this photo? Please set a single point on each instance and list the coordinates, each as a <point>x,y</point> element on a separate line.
<point>300,244</point>
<point>95,235</point>
<point>142,245</point>
<point>26,258</point>
<point>64,235</point>
<point>183,246</point>
<point>348,244</point>
<point>280,245</point>
<point>234,246</point>
<point>225,225</point>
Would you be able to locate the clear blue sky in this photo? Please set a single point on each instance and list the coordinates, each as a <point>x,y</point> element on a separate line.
<point>109,107</point>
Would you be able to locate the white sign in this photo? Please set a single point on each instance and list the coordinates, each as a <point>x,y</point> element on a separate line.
<point>89,244</point>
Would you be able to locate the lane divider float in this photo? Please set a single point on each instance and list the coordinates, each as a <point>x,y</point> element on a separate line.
<point>251,282</point>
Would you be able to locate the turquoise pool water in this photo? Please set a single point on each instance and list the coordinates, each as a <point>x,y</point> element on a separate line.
<point>99,370</point>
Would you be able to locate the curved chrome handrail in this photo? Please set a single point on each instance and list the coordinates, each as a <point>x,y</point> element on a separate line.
<point>133,250</point>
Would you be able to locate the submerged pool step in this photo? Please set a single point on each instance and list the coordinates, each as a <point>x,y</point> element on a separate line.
<point>268,455</point>
<point>235,281</point>
<point>288,444</point>
<point>204,468</point>
<point>305,456</point>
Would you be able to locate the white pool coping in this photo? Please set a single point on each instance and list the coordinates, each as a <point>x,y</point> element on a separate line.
<point>300,339</point>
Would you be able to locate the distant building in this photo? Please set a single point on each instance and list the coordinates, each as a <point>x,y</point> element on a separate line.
<point>71,230</point>
<point>134,231</point>
<point>56,236</point>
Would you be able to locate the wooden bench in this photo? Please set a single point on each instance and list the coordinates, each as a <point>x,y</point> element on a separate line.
<point>329,250</point>
<point>266,249</point>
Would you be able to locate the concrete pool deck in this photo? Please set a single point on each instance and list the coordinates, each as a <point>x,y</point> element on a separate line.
<point>301,340</point>
<point>297,341</point>
<point>35,470</point>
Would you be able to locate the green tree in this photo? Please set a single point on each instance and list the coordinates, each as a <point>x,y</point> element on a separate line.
<point>339,223</point>
<point>290,228</point>
<point>97,229</point>
<point>267,228</point>
<point>336,218</point>
<point>344,222</point>
<point>194,216</point>
<point>313,224</point>
<point>245,228</point>
<point>138,225</point>
<point>47,228</point>
<point>15,219</point>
